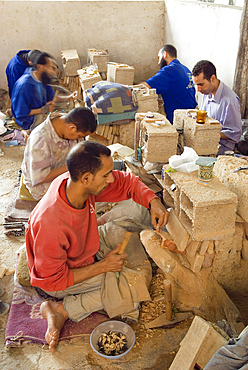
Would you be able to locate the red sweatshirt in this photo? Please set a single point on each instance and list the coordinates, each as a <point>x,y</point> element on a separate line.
<point>60,238</point>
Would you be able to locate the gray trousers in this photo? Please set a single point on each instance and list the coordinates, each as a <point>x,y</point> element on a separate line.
<point>234,355</point>
<point>118,297</point>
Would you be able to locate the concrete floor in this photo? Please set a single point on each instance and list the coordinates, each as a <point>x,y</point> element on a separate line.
<point>153,350</point>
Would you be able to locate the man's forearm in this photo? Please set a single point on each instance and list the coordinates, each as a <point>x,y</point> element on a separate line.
<point>223,136</point>
<point>146,84</point>
<point>34,112</point>
<point>87,272</point>
<point>53,174</point>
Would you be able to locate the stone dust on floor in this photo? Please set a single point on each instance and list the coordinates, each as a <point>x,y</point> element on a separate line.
<point>154,348</point>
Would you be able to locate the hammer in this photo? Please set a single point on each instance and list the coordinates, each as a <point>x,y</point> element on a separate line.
<point>131,226</point>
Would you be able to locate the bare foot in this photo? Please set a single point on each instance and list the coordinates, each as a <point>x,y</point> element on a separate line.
<point>55,315</point>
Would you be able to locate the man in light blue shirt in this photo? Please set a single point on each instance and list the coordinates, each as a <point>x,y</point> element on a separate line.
<point>220,102</point>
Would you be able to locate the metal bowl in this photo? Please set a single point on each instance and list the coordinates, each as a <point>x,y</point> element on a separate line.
<point>118,326</point>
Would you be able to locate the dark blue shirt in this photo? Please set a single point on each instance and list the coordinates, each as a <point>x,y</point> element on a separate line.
<point>15,69</point>
<point>174,83</point>
<point>26,96</point>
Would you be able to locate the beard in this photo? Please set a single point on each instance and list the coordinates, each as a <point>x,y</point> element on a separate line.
<point>46,80</point>
<point>162,63</point>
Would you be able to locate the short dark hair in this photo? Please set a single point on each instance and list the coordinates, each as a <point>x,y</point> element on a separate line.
<point>170,49</point>
<point>42,59</point>
<point>205,67</point>
<point>33,56</point>
<point>83,119</point>
<point>85,157</point>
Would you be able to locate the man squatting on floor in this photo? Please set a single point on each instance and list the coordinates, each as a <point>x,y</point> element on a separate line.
<point>73,260</point>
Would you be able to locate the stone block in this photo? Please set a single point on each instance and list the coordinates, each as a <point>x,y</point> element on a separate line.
<point>71,62</point>
<point>206,212</point>
<point>99,57</point>
<point>120,73</point>
<point>87,80</point>
<point>236,182</point>
<point>147,100</point>
<point>203,138</point>
<point>158,143</point>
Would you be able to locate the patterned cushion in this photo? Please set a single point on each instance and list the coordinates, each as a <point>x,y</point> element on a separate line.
<point>109,98</point>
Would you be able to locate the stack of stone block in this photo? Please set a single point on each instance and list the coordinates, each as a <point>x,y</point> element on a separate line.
<point>201,215</point>
<point>120,73</point>
<point>99,57</point>
<point>146,98</point>
<point>203,138</point>
<point>87,79</point>
<point>72,83</point>
<point>71,63</point>
<point>111,134</point>
<point>158,143</point>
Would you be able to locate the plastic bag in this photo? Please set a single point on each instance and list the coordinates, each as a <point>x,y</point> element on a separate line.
<point>184,162</point>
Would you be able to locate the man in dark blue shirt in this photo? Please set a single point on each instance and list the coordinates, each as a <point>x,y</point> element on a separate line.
<point>18,65</point>
<point>31,94</point>
<point>174,82</point>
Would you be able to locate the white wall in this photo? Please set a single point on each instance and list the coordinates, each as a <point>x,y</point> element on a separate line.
<point>204,31</point>
<point>132,31</point>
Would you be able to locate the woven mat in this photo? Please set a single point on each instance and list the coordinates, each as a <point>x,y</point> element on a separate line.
<point>17,209</point>
<point>26,325</point>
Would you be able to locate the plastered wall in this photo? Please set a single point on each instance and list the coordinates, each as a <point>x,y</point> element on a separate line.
<point>132,31</point>
<point>202,30</point>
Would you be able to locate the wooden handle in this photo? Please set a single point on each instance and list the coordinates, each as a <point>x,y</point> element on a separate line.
<point>136,139</point>
<point>167,297</point>
<point>125,242</point>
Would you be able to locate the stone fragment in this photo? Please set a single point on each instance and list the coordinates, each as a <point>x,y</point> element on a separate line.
<point>179,235</point>
<point>208,259</point>
<point>192,248</point>
<point>204,247</point>
<point>195,262</point>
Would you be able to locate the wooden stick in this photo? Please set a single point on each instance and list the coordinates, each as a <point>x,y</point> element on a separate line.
<point>125,242</point>
<point>136,139</point>
<point>167,297</point>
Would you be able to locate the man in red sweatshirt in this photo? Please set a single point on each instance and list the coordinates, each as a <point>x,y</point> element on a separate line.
<point>65,257</point>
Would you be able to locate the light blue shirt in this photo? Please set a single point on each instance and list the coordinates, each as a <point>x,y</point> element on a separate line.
<point>224,106</point>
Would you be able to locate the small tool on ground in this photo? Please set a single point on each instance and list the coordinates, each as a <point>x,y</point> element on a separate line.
<point>168,319</point>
